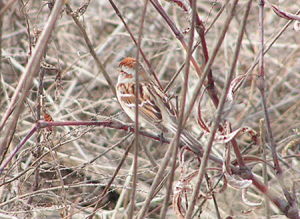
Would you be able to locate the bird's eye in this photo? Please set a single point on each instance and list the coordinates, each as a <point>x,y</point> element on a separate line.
<point>126,75</point>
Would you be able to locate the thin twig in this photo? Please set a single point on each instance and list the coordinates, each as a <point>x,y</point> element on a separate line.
<point>38,137</point>
<point>122,195</point>
<point>135,42</point>
<point>268,46</point>
<point>216,122</point>
<point>167,87</point>
<point>26,79</point>
<point>110,124</point>
<point>91,49</point>
<point>105,190</point>
<point>262,87</point>
<point>217,16</point>
<point>1,26</point>
<point>6,7</point>
<point>18,147</point>
<point>136,121</point>
<point>180,37</point>
<point>181,112</point>
<point>156,181</point>
<point>200,28</point>
<point>207,68</point>
<point>213,196</point>
<point>264,170</point>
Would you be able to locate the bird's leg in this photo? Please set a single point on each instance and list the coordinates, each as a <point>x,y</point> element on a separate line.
<point>161,137</point>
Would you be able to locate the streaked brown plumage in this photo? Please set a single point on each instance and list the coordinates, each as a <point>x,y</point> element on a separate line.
<point>155,108</point>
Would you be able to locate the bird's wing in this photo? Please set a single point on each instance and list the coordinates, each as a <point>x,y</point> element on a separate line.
<point>148,107</point>
<point>164,101</point>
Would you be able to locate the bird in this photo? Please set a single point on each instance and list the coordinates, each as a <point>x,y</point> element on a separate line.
<point>155,108</point>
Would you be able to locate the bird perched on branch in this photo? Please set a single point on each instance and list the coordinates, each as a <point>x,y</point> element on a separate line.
<point>155,108</point>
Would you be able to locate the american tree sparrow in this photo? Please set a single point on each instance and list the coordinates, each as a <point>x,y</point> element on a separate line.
<point>155,108</point>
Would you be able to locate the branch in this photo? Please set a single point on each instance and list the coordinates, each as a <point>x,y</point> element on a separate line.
<point>15,106</point>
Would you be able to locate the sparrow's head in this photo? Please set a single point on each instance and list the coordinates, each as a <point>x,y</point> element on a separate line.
<point>128,68</point>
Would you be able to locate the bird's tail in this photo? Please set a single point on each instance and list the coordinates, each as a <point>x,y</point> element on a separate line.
<point>188,140</point>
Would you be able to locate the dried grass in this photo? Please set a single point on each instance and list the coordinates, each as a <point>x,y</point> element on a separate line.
<point>55,174</point>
